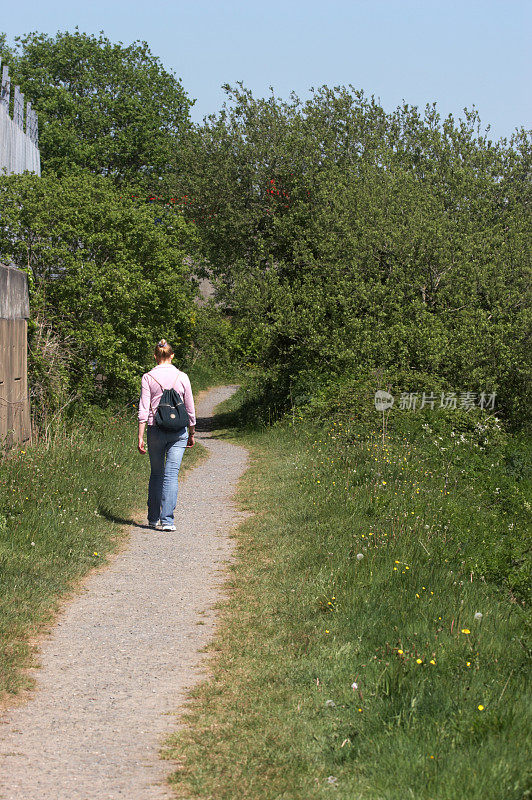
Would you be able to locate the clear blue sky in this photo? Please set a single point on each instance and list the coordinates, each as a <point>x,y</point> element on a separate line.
<point>473,52</point>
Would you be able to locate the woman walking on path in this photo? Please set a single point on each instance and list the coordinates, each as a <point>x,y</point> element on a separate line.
<point>165,448</point>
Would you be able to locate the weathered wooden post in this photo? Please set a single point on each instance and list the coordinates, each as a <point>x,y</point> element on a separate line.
<point>14,313</point>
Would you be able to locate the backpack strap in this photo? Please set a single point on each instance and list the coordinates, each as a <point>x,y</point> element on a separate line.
<point>162,387</point>
<point>156,381</point>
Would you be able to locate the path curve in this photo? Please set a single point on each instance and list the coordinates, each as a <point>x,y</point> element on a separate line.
<point>118,663</point>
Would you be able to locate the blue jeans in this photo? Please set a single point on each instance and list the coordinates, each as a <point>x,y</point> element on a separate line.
<point>165,449</point>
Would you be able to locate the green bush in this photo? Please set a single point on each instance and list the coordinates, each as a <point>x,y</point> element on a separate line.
<point>346,239</point>
<point>106,274</point>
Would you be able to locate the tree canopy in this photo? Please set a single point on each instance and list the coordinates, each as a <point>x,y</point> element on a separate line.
<point>104,107</point>
<point>352,238</point>
<point>108,274</point>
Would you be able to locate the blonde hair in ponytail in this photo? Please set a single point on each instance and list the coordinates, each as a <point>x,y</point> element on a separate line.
<point>162,351</point>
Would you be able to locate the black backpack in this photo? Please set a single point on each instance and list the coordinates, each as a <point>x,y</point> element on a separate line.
<point>171,414</point>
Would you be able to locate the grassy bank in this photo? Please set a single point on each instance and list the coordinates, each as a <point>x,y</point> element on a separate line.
<point>374,640</point>
<point>63,508</point>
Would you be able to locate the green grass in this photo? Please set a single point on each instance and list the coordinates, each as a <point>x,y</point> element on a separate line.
<point>63,509</point>
<point>365,563</point>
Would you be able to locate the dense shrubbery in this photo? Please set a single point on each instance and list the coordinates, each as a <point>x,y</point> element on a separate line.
<point>106,274</point>
<point>342,238</point>
<point>346,238</point>
<point>108,264</point>
<point>219,341</point>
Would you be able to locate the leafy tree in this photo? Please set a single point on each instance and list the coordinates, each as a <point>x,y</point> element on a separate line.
<point>355,239</point>
<point>103,107</point>
<point>105,272</point>
<point>6,52</point>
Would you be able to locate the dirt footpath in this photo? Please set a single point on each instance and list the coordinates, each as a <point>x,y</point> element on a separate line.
<point>124,651</point>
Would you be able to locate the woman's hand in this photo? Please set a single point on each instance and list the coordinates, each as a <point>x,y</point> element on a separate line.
<point>141,445</point>
<point>190,442</point>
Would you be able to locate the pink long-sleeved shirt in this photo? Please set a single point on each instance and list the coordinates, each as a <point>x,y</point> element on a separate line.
<point>168,376</point>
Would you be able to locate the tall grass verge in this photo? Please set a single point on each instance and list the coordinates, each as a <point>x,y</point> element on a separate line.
<point>373,643</point>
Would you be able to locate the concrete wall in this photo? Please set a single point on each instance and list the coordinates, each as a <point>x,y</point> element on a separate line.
<point>14,402</point>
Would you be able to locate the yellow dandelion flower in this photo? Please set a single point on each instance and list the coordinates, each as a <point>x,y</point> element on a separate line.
<point>419,660</point>
<point>466,630</point>
<point>400,652</point>
<point>432,661</point>
<point>480,707</point>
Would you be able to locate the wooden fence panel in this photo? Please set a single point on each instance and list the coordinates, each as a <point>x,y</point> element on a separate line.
<point>14,404</point>
<point>4,379</point>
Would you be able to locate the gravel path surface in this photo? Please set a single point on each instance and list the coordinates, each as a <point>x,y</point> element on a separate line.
<point>125,650</point>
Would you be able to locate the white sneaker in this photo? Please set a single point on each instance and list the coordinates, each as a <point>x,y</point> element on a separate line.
<point>166,527</point>
<point>155,525</point>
